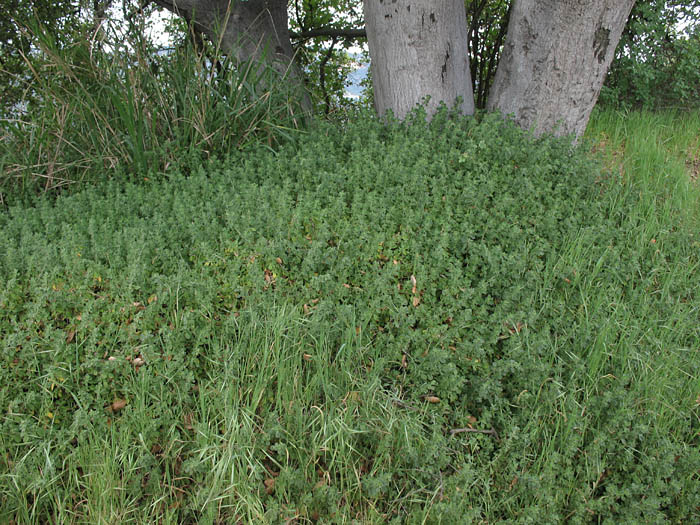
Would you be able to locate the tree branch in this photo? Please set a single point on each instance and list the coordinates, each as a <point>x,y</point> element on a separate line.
<point>331,32</point>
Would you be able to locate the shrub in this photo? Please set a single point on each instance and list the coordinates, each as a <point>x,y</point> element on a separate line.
<point>320,325</point>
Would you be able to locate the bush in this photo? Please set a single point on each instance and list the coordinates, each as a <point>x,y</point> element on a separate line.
<point>319,330</point>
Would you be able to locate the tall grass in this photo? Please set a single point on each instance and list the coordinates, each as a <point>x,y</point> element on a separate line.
<point>129,112</point>
<point>658,152</point>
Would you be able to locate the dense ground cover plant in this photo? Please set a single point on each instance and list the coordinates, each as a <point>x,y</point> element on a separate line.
<point>410,323</point>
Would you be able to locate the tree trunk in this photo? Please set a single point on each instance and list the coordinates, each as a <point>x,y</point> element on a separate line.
<point>554,62</point>
<point>246,30</point>
<point>418,48</point>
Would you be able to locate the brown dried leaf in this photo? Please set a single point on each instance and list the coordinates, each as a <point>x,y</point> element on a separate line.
<point>117,405</point>
<point>307,357</point>
<point>432,399</point>
<point>512,483</point>
<point>187,420</point>
<point>414,283</point>
<point>416,301</point>
<point>269,485</point>
<point>70,337</point>
<point>278,261</point>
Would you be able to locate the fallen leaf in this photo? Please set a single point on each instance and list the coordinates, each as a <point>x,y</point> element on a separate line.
<point>416,301</point>
<point>432,399</point>
<point>404,362</point>
<point>152,299</point>
<point>307,357</point>
<point>138,362</point>
<point>70,337</point>
<point>269,485</point>
<point>414,283</point>
<point>512,483</point>
<point>117,405</point>
<point>516,329</point>
<point>278,261</point>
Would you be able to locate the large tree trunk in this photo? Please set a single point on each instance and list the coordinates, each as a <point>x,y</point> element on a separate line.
<point>418,48</point>
<point>246,30</point>
<point>554,62</point>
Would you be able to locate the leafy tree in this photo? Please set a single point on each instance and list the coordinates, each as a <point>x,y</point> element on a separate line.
<point>60,18</point>
<point>487,23</point>
<point>420,49</point>
<point>657,63</point>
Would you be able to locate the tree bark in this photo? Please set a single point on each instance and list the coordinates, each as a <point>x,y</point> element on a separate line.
<point>554,62</point>
<point>253,29</point>
<point>250,30</point>
<point>418,48</point>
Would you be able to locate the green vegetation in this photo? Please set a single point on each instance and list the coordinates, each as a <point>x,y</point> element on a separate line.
<point>133,113</point>
<point>412,324</point>
<point>657,62</point>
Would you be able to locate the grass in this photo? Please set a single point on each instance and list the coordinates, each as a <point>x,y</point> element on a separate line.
<point>132,114</point>
<point>442,324</point>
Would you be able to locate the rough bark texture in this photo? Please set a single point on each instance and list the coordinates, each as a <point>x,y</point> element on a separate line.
<point>252,29</point>
<point>418,49</point>
<point>247,30</point>
<point>554,62</point>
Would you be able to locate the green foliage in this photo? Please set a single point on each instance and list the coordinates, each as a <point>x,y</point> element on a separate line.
<point>487,23</point>
<point>657,63</point>
<point>296,335</point>
<point>131,112</point>
<point>327,60</point>
<point>61,19</point>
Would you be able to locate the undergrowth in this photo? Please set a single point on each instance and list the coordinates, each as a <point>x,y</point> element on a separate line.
<point>134,114</point>
<point>407,323</point>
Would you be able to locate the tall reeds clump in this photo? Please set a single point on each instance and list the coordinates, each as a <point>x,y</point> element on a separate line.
<point>128,110</point>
